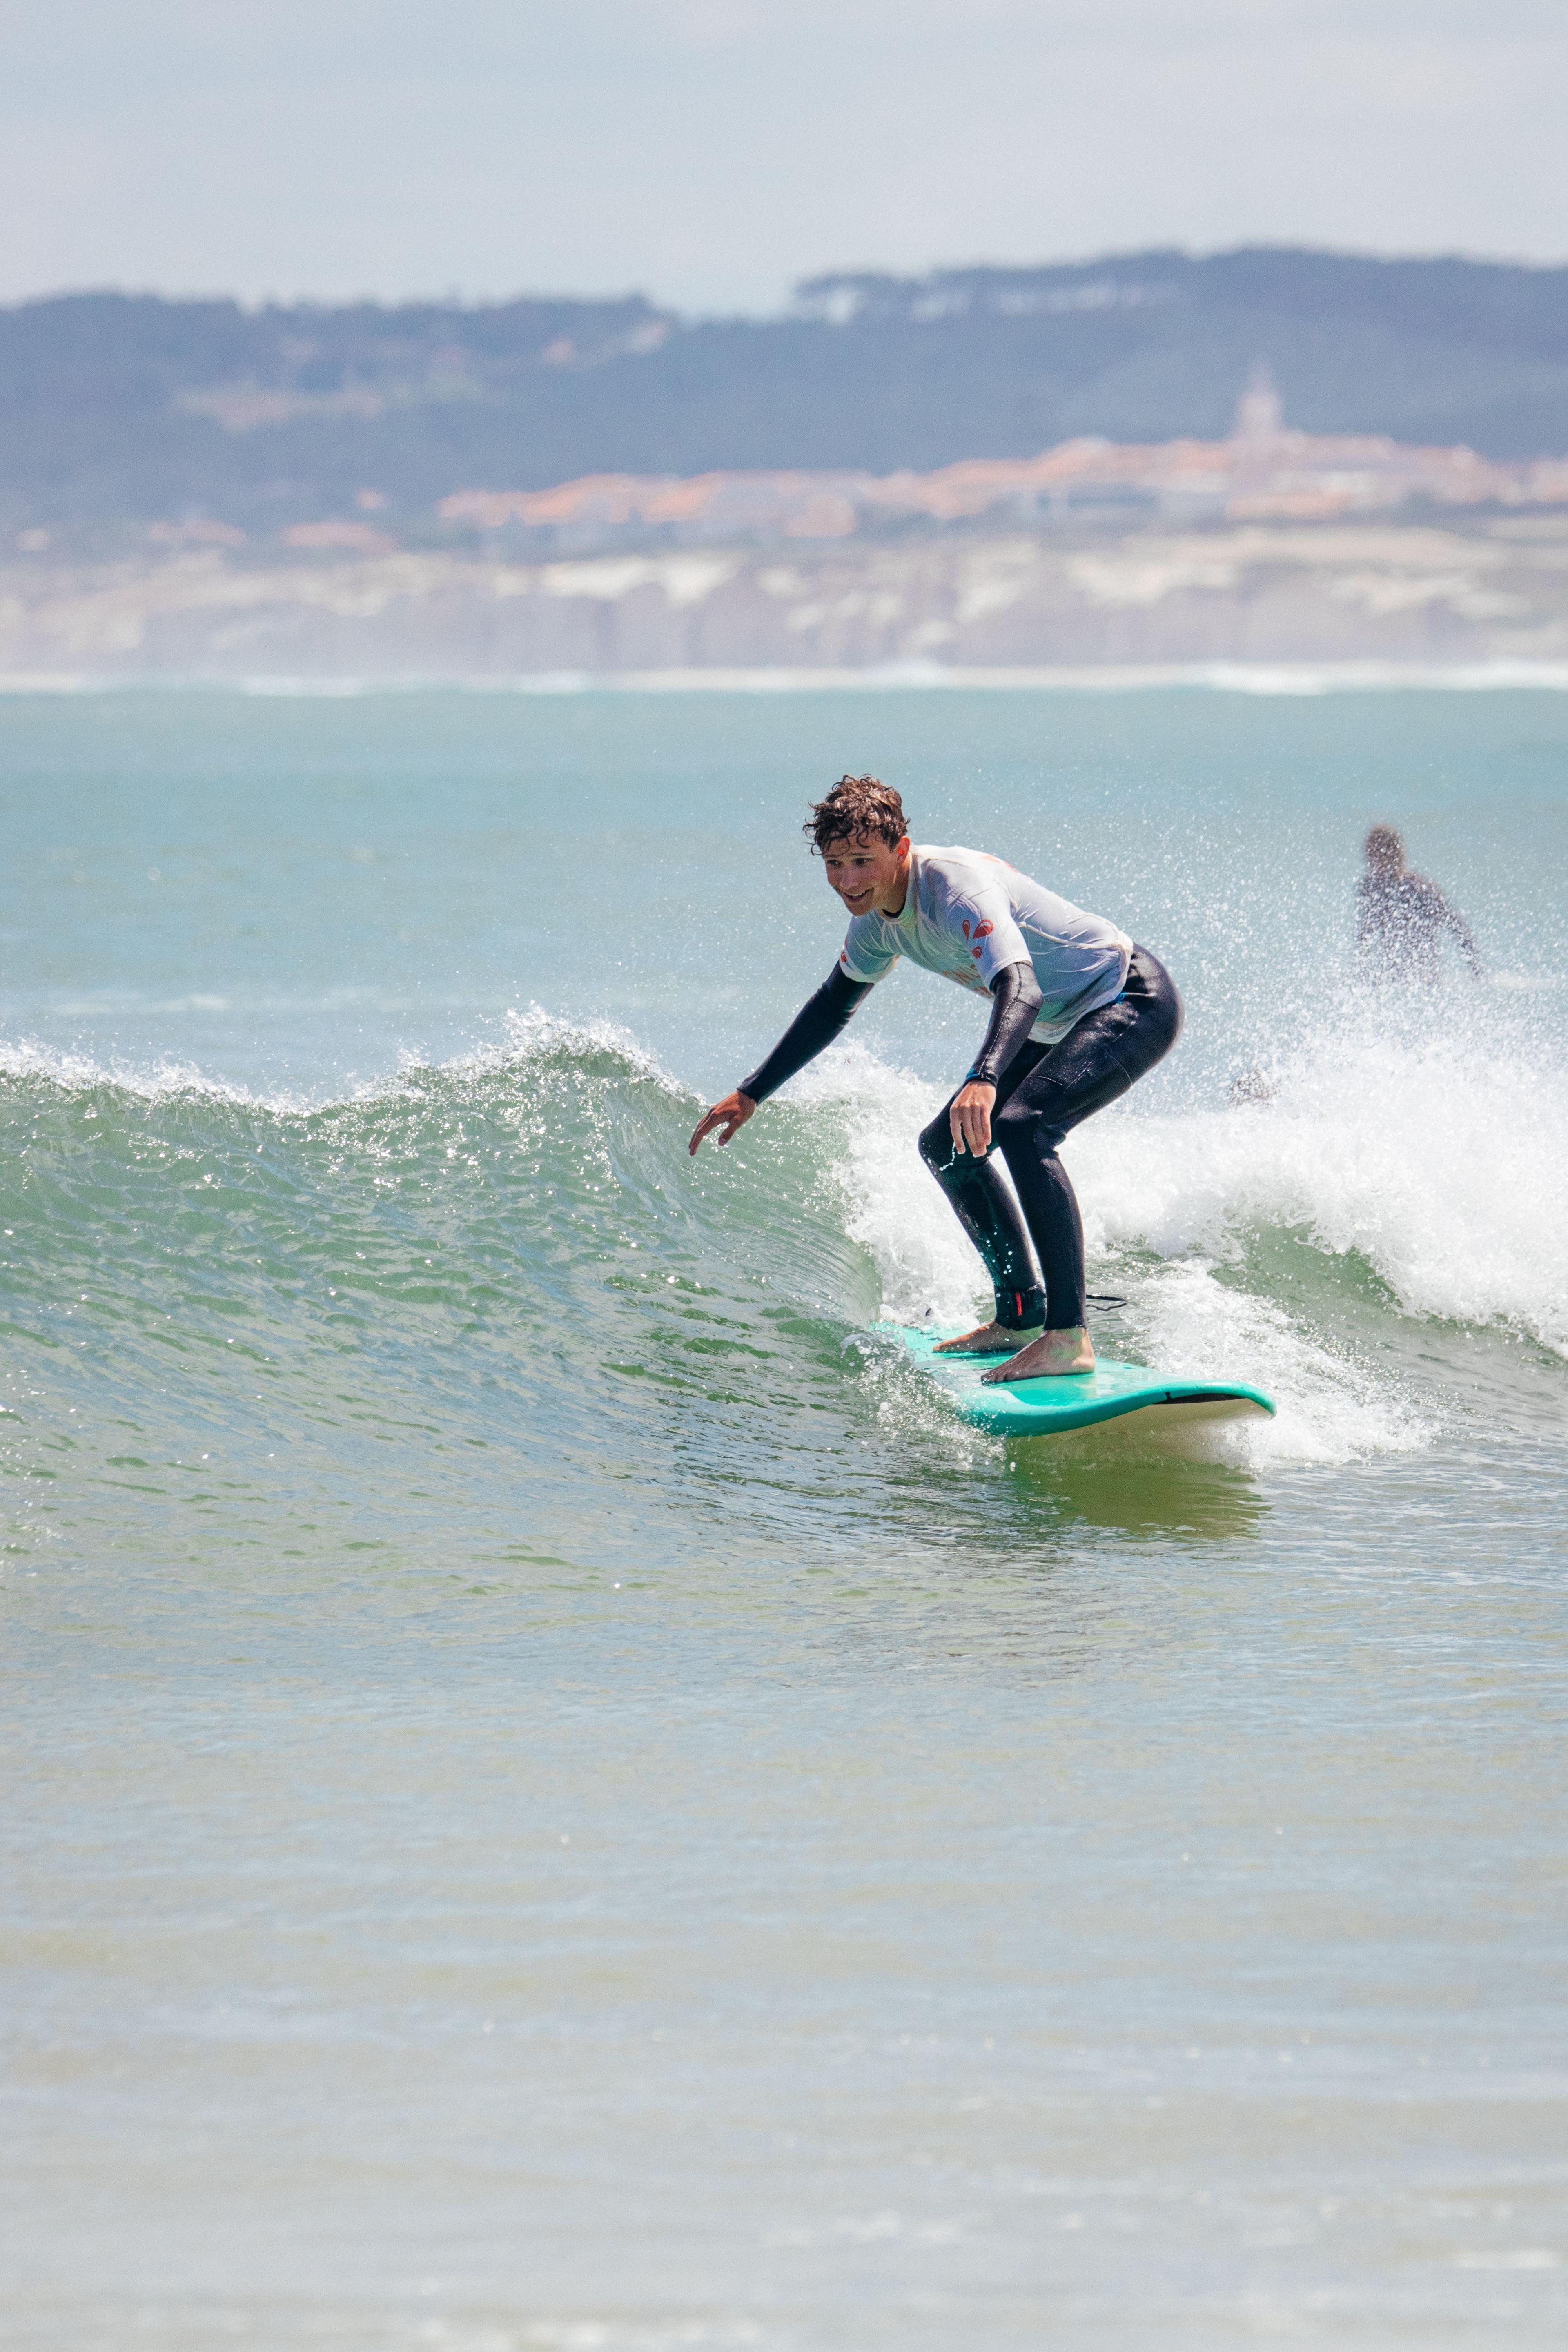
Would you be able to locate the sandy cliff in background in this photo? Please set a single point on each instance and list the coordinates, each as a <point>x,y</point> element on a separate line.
<point>992,600</point>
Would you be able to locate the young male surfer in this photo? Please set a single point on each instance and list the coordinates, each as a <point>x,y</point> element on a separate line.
<point>1078,1013</point>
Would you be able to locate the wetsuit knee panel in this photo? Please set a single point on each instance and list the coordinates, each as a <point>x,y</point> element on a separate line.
<point>1012,1117</point>
<point>1024,1123</point>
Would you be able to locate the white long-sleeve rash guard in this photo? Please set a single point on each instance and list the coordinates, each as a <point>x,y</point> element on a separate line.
<point>968,914</point>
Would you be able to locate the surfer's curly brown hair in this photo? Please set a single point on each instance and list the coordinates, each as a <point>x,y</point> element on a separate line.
<point>857,808</point>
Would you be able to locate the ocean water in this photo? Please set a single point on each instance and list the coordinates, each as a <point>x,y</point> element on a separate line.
<point>557,1798</point>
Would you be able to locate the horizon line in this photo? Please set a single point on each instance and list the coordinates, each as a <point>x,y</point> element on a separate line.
<point>867,273</point>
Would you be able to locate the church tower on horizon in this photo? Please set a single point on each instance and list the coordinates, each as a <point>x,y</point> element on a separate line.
<point>1260,412</point>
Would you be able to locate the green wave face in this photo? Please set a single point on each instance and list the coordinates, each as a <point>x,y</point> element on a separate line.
<point>353,1324</point>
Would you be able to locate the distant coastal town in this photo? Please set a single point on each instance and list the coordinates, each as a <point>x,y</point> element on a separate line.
<point>1261,472</point>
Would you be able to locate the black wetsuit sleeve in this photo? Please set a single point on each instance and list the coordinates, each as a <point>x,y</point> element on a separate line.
<point>817,1025</point>
<point>1016,1001</point>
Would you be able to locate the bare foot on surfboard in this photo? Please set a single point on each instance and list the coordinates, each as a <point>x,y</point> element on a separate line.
<point>1049,1357</point>
<point>988,1339</point>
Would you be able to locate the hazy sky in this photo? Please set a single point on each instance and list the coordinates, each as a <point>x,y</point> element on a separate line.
<point>710,151</point>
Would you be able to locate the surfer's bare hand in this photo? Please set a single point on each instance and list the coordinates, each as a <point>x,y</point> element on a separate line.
<point>969,1116</point>
<point>730,1116</point>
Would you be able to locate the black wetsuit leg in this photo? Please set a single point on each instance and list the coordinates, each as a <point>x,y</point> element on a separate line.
<point>1044,1092</point>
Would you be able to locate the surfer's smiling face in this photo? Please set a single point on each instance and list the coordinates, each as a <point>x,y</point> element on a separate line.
<point>868,873</point>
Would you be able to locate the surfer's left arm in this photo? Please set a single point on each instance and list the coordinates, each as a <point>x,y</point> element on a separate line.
<point>1015,1003</point>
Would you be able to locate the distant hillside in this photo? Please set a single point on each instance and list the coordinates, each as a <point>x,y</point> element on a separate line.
<point>121,410</point>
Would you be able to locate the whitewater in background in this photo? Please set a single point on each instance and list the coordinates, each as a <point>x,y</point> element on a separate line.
<point>561,1797</point>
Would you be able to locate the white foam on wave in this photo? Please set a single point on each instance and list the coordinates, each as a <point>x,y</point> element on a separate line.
<point>1441,1158</point>
<point>1331,1407</point>
<point>524,1038</point>
<point>536,1034</point>
<point>162,1079</point>
<point>924,1260</point>
<point>1501,675</point>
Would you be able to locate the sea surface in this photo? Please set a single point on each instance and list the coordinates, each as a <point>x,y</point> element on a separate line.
<point>557,1800</point>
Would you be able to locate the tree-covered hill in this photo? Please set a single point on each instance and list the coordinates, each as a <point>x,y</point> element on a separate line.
<point>123,409</point>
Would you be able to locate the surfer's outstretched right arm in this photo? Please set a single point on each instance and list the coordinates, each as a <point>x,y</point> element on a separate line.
<point>818,1021</point>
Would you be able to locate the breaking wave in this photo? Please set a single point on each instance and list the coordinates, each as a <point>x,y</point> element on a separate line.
<point>216,1296</point>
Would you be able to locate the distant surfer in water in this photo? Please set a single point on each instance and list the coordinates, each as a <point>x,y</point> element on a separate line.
<point>1078,1013</point>
<point>1401,917</point>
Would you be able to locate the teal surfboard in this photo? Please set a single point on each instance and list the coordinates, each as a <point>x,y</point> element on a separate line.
<point>1112,1391</point>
